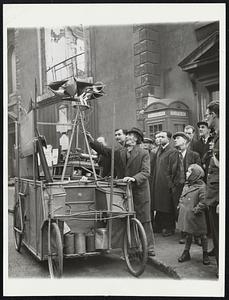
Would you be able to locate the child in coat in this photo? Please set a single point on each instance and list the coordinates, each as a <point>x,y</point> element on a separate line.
<point>191,219</point>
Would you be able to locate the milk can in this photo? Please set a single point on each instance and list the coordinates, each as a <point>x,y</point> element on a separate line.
<point>80,243</point>
<point>90,241</point>
<point>69,243</point>
<point>101,238</point>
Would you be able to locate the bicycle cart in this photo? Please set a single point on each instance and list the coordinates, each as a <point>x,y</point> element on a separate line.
<point>65,218</point>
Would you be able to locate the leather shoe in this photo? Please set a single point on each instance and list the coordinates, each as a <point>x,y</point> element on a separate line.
<point>211,252</point>
<point>185,256</point>
<point>151,253</point>
<point>206,260</point>
<point>166,232</point>
<point>182,241</point>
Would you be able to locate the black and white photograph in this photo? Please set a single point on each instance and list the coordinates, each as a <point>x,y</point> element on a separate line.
<point>113,178</point>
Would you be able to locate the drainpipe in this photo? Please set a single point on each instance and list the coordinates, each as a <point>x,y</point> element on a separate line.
<point>39,60</point>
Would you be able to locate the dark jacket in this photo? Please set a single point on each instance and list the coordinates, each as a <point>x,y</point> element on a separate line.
<point>137,166</point>
<point>190,158</point>
<point>104,162</point>
<point>205,153</point>
<point>212,197</point>
<point>165,180</point>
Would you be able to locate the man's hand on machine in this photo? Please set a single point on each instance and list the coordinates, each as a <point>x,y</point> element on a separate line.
<point>89,136</point>
<point>128,179</point>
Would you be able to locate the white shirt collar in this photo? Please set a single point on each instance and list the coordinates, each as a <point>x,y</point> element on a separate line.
<point>165,146</point>
<point>183,153</point>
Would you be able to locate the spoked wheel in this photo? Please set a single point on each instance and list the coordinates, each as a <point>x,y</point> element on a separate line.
<point>18,226</point>
<point>135,247</point>
<point>55,251</point>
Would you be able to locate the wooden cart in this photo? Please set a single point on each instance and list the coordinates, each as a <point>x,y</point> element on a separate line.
<point>58,218</point>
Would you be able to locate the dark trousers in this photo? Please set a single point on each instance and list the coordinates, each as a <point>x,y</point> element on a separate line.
<point>164,220</point>
<point>214,224</point>
<point>149,235</point>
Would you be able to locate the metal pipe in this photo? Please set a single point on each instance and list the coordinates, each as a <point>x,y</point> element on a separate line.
<point>88,148</point>
<point>112,177</point>
<point>70,144</point>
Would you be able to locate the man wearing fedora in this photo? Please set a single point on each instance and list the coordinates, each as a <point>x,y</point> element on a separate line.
<point>132,164</point>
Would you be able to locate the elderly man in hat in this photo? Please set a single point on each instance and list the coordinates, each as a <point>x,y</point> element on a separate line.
<point>187,157</point>
<point>164,180</point>
<point>132,164</point>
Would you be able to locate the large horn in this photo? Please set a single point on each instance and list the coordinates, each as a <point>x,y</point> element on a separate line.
<point>98,87</point>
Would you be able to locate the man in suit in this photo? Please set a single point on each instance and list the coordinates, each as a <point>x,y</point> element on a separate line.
<point>132,164</point>
<point>164,180</point>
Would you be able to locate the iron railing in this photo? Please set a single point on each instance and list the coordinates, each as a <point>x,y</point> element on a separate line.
<point>71,67</point>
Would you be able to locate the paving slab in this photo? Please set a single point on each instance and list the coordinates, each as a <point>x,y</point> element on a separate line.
<point>168,250</point>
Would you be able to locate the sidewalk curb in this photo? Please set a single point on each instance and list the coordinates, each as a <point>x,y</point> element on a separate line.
<point>170,271</point>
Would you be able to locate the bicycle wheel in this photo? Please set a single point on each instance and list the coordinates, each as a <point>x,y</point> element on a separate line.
<point>55,251</point>
<point>17,227</point>
<point>135,248</point>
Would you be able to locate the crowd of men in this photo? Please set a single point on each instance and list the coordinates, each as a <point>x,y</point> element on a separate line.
<point>157,169</point>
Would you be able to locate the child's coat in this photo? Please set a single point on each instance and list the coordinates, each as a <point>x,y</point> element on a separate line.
<point>191,197</point>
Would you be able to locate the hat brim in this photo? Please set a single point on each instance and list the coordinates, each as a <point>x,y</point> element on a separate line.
<point>202,123</point>
<point>183,136</point>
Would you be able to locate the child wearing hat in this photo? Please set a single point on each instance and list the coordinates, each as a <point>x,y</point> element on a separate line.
<point>192,218</point>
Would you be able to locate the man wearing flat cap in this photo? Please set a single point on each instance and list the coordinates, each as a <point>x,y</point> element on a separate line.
<point>187,156</point>
<point>132,164</point>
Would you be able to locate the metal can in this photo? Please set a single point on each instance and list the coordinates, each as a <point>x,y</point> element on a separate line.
<point>90,242</point>
<point>80,243</point>
<point>101,239</point>
<point>69,243</point>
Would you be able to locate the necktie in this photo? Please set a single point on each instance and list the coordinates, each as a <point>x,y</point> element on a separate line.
<point>181,164</point>
<point>128,154</point>
<point>160,150</point>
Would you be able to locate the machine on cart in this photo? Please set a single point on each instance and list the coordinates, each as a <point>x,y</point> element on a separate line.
<point>57,216</point>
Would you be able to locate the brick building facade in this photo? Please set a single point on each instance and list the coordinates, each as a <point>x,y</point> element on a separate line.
<point>160,76</point>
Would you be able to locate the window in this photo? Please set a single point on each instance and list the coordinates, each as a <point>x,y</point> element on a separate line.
<point>154,128</point>
<point>179,127</point>
<point>11,70</point>
<point>213,92</point>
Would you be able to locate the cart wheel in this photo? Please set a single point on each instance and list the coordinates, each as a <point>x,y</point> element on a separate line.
<point>18,228</point>
<point>55,251</point>
<point>135,247</point>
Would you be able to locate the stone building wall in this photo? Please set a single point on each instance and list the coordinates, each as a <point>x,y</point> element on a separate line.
<point>147,66</point>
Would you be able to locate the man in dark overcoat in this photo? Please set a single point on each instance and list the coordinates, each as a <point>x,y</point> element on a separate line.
<point>212,197</point>
<point>147,144</point>
<point>165,178</point>
<point>132,164</point>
